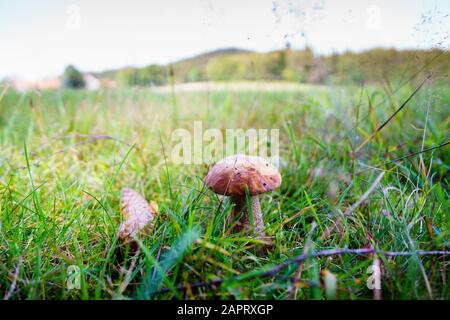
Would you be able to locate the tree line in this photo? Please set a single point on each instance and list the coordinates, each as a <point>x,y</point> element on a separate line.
<point>302,66</point>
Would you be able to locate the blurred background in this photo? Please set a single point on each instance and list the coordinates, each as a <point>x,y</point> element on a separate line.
<point>47,44</point>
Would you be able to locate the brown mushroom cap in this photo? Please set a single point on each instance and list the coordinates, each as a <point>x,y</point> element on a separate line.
<point>230,175</point>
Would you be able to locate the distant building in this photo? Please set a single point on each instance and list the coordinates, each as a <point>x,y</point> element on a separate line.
<point>48,84</point>
<point>91,83</point>
<point>19,85</point>
<point>25,85</point>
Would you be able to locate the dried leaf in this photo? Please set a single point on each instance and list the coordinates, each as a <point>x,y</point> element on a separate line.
<point>138,215</point>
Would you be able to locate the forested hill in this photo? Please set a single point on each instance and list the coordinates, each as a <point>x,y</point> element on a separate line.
<point>291,65</point>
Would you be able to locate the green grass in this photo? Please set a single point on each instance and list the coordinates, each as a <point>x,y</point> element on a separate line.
<point>60,193</point>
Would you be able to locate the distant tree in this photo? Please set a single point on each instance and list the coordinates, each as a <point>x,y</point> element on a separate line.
<point>194,74</point>
<point>276,65</point>
<point>127,76</point>
<point>147,76</point>
<point>370,66</point>
<point>152,75</point>
<point>298,65</point>
<point>72,78</point>
<point>225,68</point>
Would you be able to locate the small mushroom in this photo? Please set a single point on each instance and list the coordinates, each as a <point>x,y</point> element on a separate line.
<point>232,175</point>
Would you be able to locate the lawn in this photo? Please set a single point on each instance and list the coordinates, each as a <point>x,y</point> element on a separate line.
<point>66,155</point>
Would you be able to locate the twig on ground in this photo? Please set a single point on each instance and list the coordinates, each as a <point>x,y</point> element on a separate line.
<point>274,270</point>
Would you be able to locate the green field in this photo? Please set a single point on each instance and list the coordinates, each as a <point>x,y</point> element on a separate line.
<point>66,155</point>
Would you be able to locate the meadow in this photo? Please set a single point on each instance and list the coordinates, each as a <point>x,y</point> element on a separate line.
<point>65,156</point>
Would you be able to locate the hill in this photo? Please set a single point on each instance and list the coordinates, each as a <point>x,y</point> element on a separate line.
<point>303,66</point>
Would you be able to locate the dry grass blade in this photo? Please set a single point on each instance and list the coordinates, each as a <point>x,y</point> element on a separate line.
<point>352,208</point>
<point>5,89</point>
<point>128,275</point>
<point>138,215</point>
<point>366,194</point>
<point>377,130</point>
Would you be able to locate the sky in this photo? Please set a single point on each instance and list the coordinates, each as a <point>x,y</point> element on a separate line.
<point>39,38</point>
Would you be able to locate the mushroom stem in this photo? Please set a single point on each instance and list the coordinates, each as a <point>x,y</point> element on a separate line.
<point>240,208</point>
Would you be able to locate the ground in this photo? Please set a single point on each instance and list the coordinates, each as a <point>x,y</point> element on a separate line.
<point>66,155</point>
